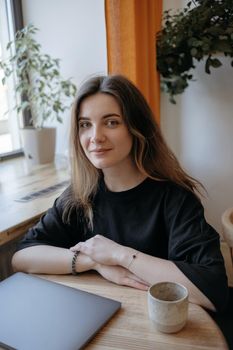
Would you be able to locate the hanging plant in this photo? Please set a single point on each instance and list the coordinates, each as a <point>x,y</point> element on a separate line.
<point>195,33</point>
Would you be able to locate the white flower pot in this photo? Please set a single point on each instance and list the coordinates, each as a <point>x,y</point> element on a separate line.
<point>39,145</point>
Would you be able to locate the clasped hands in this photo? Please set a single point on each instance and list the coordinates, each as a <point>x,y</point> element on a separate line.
<point>110,259</point>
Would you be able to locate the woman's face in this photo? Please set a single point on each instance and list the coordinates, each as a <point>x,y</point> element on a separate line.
<point>103,133</point>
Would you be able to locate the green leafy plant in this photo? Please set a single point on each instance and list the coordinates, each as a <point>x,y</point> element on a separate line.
<point>195,33</point>
<point>41,88</point>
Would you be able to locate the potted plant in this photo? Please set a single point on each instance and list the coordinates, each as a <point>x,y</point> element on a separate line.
<point>199,31</point>
<point>42,92</point>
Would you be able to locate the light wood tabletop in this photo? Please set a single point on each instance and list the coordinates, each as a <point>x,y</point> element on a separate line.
<point>18,181</point>
<point>131,328</point>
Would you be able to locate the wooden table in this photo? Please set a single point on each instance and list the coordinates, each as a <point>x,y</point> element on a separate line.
<point>131,329</point>
<point>17,181</point>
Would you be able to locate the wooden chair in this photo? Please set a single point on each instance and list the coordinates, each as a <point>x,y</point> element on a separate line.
<point>225,319</point>
<point>227,233</point>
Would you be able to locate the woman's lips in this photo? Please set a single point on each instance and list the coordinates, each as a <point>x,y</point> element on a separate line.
<point>100,151</point>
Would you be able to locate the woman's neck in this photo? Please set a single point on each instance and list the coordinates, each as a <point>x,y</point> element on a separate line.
<point>122,180</point>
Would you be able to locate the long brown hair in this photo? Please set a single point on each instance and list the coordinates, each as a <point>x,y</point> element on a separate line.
<point>150,152</point>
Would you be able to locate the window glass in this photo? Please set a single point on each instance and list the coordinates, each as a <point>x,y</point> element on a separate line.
<point>9,121</point>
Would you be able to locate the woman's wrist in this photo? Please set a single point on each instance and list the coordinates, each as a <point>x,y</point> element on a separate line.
<point>128,256</point>
<point>84,263</point>
<point>96,267</point>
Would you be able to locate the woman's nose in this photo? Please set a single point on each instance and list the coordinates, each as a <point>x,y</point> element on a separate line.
<point>97,135</point>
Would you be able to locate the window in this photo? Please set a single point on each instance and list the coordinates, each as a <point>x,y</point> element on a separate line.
<point>9,120</point>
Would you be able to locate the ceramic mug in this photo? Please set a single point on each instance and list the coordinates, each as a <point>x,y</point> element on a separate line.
<point>168,306</point>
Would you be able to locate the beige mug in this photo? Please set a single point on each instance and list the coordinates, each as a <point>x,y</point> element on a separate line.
<point>168,306</point>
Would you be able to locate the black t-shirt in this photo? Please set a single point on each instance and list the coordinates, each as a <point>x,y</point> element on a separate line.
<point>158,218</point>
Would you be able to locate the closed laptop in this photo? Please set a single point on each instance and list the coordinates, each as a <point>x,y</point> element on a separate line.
<point>37,314</point>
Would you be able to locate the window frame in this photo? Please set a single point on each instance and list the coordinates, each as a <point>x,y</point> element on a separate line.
<point>13,8</point>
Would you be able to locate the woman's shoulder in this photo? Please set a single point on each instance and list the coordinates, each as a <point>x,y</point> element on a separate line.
<point>173,192</point>
<point>67,207</point>
<point>65,196</point>
<point>168,186</point>
<point>64,202</point>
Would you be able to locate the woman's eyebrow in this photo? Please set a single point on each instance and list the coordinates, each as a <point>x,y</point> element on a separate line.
<point>111,115</point>
<point>103,117</point>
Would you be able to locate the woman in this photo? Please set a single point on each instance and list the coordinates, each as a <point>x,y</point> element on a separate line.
<point>131,212</point>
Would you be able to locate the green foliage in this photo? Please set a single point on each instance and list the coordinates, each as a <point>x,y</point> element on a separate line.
<point>201,29</point>
<point>38,79</point>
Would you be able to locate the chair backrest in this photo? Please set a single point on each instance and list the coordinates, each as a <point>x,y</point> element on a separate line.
<point>225,321</point>
<point>227,233</point>
<point>227,224</point>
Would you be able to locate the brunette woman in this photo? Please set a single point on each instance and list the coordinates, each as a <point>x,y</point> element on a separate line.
<point>131,212</point>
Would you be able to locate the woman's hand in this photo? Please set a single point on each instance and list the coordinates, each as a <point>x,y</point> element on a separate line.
<point>106,255</point>
<point>122,276</point>
<point>101,249</point>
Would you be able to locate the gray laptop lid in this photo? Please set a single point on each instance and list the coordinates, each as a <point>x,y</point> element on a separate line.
<point>37,314</point>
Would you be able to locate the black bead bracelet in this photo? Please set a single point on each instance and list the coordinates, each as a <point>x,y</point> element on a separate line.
<point>73,269</point>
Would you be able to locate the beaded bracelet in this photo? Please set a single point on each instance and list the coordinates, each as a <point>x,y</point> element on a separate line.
<point>73,267</point>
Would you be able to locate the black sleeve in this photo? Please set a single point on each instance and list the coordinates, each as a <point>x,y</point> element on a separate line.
<point>194,246</point>
<point>51,230</point>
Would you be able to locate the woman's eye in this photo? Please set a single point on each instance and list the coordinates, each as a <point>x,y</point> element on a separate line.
<point>112,123</point>
<point>84,125</point>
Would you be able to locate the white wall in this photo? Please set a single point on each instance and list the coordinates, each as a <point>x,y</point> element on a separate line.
<point>74,31</point>
<point>199,129</point>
